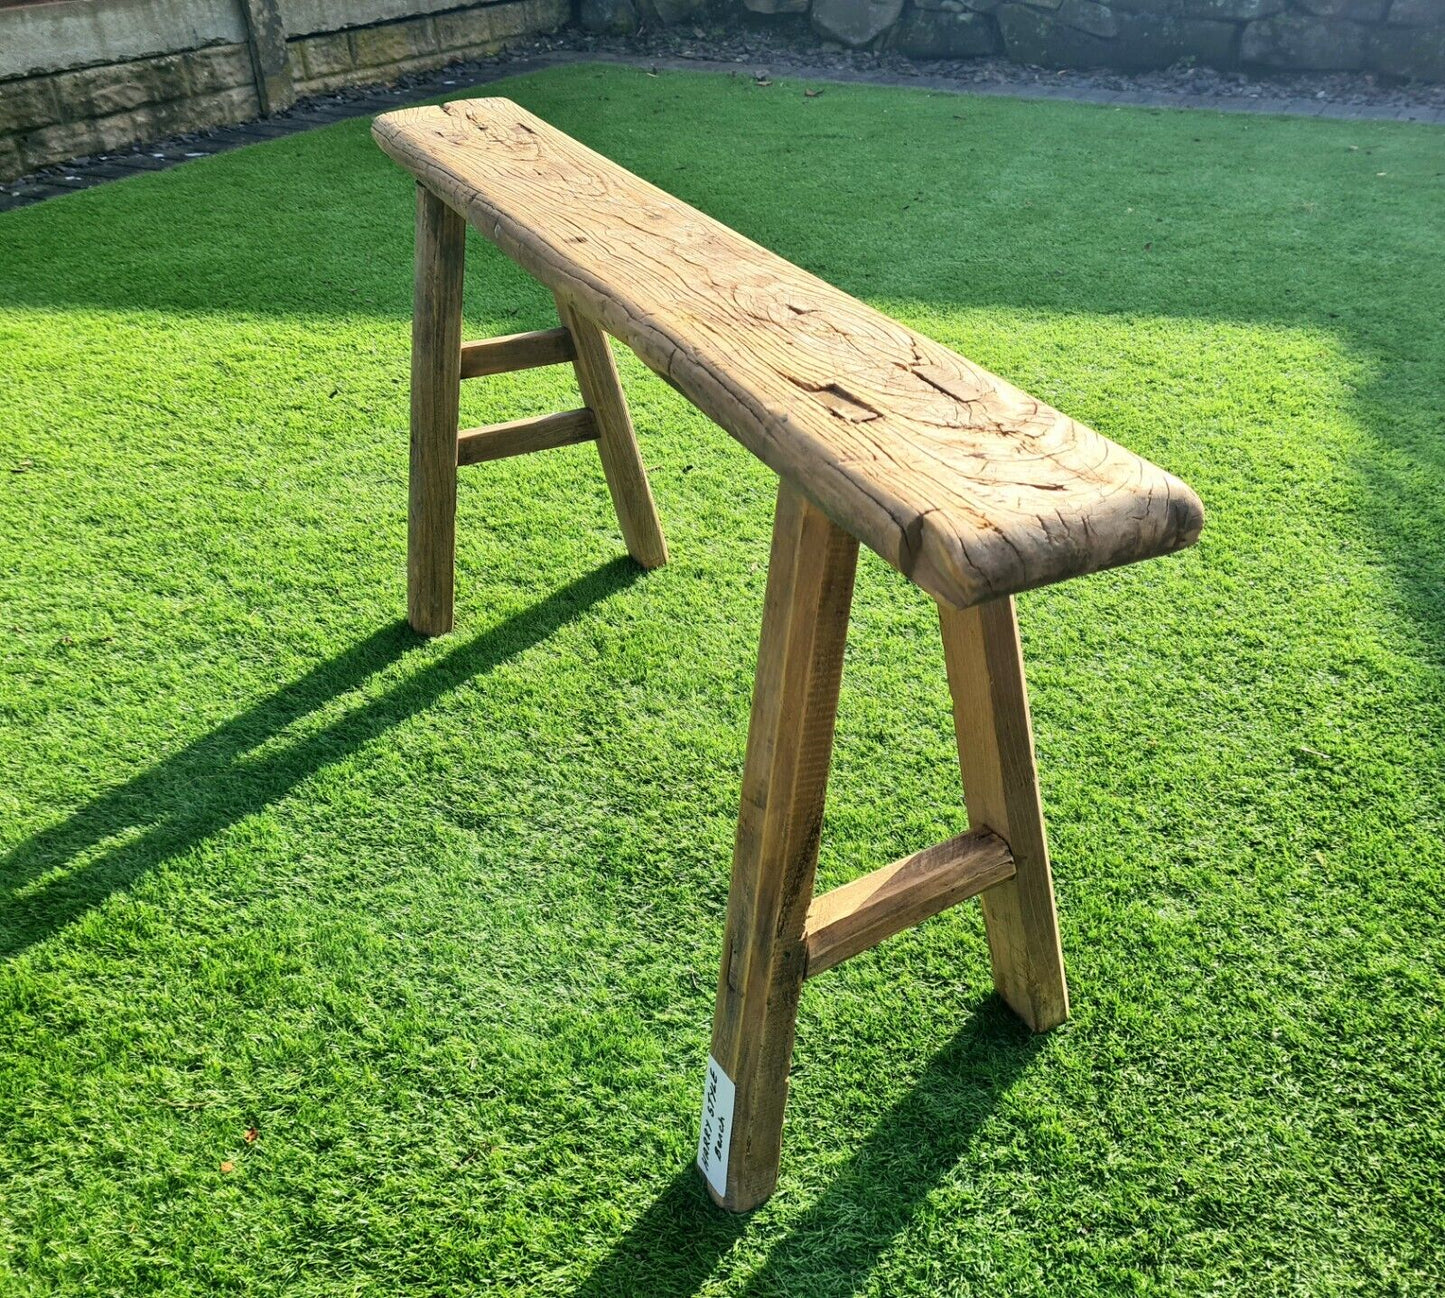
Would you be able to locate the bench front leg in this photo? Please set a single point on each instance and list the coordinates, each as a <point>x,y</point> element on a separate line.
<point>1001,790</point>
<point>436,345</point>
<point>785,776</point>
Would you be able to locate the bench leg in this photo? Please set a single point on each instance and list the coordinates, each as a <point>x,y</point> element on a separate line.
<point>622,465</point>
<point>790,740</point>
<point>1001,790</point>
<point>436,342</point>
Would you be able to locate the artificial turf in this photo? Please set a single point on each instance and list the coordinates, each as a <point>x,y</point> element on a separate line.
<point>337,962</point>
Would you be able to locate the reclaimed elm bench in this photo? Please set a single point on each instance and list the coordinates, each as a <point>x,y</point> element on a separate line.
<point>968,486</point>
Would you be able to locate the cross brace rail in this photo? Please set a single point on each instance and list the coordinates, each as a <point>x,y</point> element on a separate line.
<point>521,436</point>
<point>860,914</point>
<point>514,352</point>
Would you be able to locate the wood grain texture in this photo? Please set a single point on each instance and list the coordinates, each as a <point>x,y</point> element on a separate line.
<point>785,776</point>
<point>513,352</point>
<point>436,338</point>
<point>966,484</point>
<point>522,436</point>
<point>860,914</point>
<point>617,446</point>
<point>1001,790</point>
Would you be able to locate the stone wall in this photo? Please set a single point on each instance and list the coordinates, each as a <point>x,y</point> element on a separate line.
<point>92,76</point>
<point>325,60</point>
<point>50,118</point>
<point>1396,38</point>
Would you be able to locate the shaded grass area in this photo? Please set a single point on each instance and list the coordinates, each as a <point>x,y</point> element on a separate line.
<point>439,921</point>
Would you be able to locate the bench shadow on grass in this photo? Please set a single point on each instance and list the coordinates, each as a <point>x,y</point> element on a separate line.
<point>831,1248</point>
<point>207,786</point>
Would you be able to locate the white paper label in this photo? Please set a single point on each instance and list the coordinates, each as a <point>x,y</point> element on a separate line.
<point>718,1096</point>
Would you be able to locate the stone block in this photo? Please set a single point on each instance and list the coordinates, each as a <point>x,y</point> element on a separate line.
<point>854,22</point>
<point>1416,13</point>
<point>463,28</point>
<point>1413,52</point>
<point>1143,41</point>
<point>324,56</point>
<point>12,161</point>
<point>670,12</point>
<point>1305,44</point>
<point>1360,11</point>
<point>149,122</point>
<point>940,34</point>
<point>224,107</point>
<point>104,91</point>
<point>27,103</point>
<point>325,85</point>
<point>223,67</point>
<point>1087,16</point>
<point>608,17</point>
<point>528,16</point>
<point>52,144</point>
<point>375,47</point>
<point>1151,42</point>
<point>1032,36</point>
<point>777,6</point>
<point>388,73</point>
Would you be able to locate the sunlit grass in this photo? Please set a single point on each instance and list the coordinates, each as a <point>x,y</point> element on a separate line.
<point>440,921</point>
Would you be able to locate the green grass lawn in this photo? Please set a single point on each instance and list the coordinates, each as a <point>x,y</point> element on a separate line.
<point>439,921</point>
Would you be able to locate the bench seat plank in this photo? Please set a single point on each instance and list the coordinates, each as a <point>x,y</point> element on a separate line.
<point>967,485</point>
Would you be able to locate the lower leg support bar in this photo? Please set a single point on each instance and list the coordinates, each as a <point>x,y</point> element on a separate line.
<point>860,914</point>
<point>514,352</point>
<point>522,436</point>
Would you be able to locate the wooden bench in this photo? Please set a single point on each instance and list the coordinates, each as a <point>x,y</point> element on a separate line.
<point>967,485</point>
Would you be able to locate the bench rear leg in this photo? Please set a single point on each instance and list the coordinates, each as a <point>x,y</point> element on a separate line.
<point>785,775</point>
<point>436,341</point>
<point>616,440</point>
<point>1001,790</point>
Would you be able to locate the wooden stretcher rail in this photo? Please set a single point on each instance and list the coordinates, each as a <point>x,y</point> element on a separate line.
<point>521,436</point>
<point>517,352</point>
<point>860,914</point>
<point>969,486</point>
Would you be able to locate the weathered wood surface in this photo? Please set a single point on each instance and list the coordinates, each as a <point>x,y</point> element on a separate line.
<point>436,338</point>
<point>966,484</point>
<point>1001,790</point>
<point>522,436</point>
<point>862,912</point>
<point>785,777</point>
<point>513,352</point>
